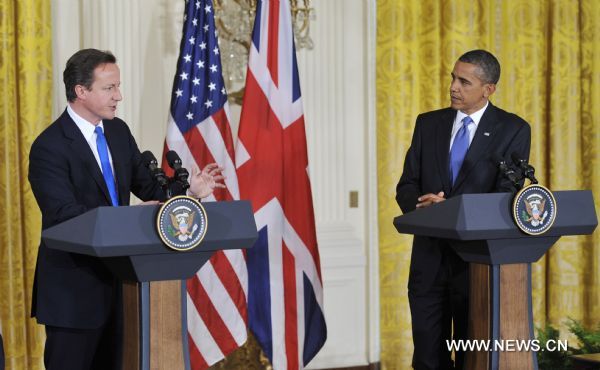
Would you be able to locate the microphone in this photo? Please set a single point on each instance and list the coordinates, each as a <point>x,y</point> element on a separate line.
<point>181,174</point>
<point>506,171</point>
<point>149,161</point>
<point>526,168</point>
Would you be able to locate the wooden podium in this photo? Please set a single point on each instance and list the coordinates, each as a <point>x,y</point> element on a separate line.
<point>481,230</point>
<point>154,292</point>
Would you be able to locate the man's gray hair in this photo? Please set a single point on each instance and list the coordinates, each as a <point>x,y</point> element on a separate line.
<point>487,63</point>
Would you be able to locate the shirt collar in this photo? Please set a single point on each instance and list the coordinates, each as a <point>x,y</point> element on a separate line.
<point>476,116</point>
<point>87,128</point>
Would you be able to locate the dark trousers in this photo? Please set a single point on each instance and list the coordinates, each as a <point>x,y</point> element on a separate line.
<point>83,349</point>
<point>1,353</point>
<point>440,313</point>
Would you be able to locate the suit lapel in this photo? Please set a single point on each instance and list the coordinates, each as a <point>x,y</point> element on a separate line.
<point>483,137</point>
<point>443,133</point>
<point>81,149</point>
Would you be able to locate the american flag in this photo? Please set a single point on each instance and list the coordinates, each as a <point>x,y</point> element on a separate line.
<point>285,302</point>
<point>199,131</point>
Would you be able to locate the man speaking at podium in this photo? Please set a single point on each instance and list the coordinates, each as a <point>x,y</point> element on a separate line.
<point>86,159</point>
<point>451,153</point>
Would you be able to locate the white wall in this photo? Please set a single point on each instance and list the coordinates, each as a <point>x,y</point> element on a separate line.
<point>337,79</point>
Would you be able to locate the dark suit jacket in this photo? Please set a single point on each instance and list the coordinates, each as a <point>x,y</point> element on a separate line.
<point>426,170</point>
<point>72,290</point>
<point>1,352</point>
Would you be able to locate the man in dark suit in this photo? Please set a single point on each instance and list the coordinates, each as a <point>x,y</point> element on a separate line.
<point>88,158</point>
<point>452,153</point>
<point>1,349</point>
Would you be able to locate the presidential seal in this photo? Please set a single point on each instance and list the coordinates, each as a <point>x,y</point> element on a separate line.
<point>181,223</point>
<point>534,209</point>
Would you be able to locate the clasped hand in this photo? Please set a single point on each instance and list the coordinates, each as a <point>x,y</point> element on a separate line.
<point>429,199</point>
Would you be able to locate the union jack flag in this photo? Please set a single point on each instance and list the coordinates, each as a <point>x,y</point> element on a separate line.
<point>285,302</point>
<point>199,131</point>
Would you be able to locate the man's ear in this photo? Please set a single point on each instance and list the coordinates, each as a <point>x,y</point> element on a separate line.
<point>80,91</point>
<point>488,90</point>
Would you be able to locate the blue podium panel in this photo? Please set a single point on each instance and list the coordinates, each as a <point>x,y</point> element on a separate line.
<point>128,243</point>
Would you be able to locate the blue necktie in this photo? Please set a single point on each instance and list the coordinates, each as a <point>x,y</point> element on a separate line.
<point>459,148</point>
<point>109,179</point>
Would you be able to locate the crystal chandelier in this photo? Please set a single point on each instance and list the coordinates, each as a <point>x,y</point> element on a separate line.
<point>235,19</point>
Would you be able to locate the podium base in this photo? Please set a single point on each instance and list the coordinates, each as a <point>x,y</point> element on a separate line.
<point>501,316</point>
<point>155,325</point>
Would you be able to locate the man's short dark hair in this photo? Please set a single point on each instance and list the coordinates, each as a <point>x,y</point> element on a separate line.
<point>80,69</point>
<point>487,63</point>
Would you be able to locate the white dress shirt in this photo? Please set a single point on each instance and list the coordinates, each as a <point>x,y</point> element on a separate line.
<point>87,129</point>
<point>476,117</point>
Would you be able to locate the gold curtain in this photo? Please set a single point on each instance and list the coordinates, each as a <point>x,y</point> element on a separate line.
<point>549,52</point>
<point>25,109</point>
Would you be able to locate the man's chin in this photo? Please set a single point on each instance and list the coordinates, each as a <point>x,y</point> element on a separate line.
<point>455,106</point>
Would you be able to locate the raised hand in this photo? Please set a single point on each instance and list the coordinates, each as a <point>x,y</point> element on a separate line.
<point>203,183</point>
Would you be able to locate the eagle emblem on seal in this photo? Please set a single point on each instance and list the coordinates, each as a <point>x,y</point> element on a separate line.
<point>534,210</point>
<point>183,223</point>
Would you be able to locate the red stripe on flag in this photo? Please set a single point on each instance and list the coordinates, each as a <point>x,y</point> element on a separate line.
<point>202,157</point>
<point>222,124</point>
<point>209,314</point>
<point>291,308</point>
<point>164,164</point>
<point>196,359</point>
<point>198,148</point>
<point>273,48</point>
<point>230,281</point>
